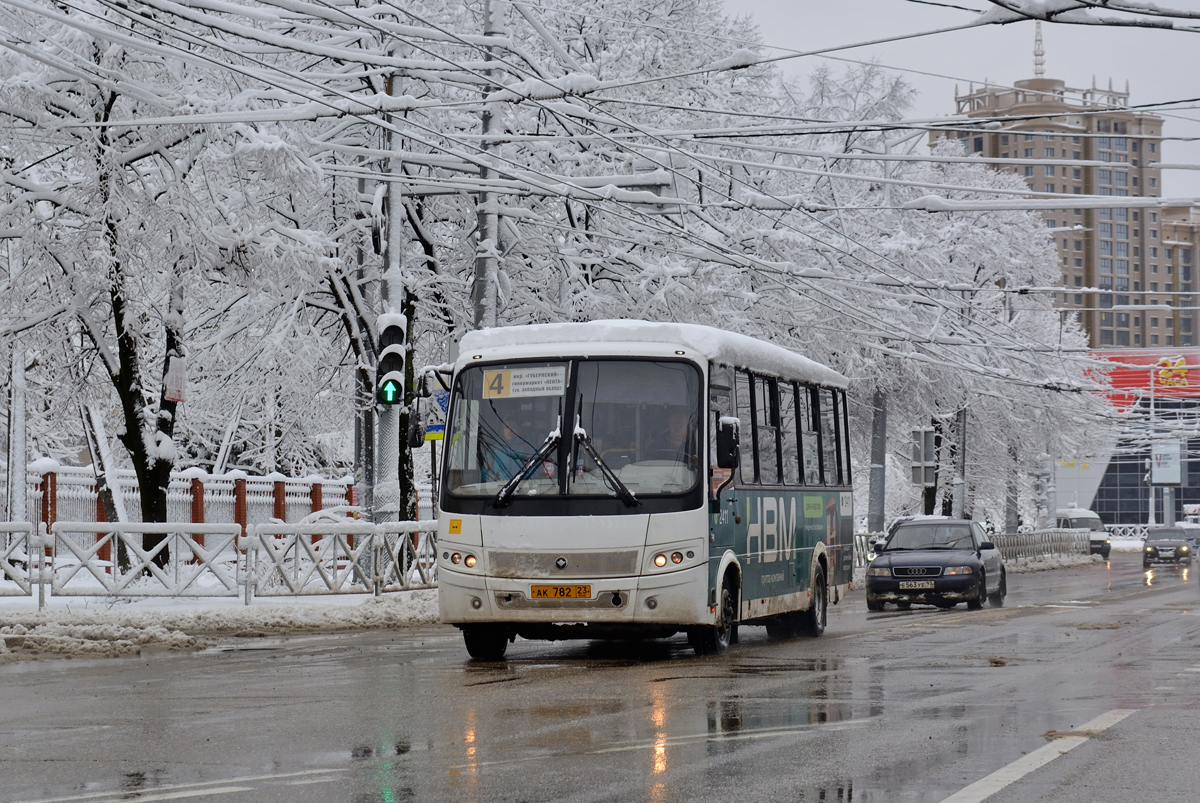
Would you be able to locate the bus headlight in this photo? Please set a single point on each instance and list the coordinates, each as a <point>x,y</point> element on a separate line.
<point>469,561</point>
<point>677,557</point>
<point>660,560</point>
<point>456,558</point>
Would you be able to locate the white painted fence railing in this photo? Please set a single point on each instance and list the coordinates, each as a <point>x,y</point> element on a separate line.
<point>1135,532</point>
<point>1013,546</point>
<point>20,558</point>
<point>1042,543</point>
<point>191,560</point>
<point>216,560</point>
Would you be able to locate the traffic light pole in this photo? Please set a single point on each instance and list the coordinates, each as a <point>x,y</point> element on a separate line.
<point>389,392</point>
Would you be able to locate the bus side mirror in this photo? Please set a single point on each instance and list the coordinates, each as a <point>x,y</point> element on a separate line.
<point>728,443</point>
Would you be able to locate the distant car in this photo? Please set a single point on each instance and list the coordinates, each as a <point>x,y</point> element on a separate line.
<point>1077,518</point>
<point>1168,545</point>
<point>936,561</point>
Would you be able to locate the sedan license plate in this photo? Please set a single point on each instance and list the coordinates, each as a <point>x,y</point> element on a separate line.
<point>562,592</point>
<point>915,585</point>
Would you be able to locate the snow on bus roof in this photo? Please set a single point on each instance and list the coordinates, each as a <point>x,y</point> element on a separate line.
<point>716,345</point>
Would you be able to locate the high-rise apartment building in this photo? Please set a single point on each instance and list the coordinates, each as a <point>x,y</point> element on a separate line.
<point>1128,272</point>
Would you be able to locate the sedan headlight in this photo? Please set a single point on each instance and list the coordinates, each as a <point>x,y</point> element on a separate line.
<point>958,570</point>
<point>879,571</point>
<point>1149,549</point>
<point>1183,548</point>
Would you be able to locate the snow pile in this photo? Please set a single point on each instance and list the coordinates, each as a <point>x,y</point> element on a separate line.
<point>127,627</point>
<point>1047,562</point>
<point>99,640</point>
<point>1127,544</point>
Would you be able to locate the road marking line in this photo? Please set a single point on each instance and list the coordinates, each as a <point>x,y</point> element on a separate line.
<point>216,790</point>
<point>105,795</point>
<point>991,784</point>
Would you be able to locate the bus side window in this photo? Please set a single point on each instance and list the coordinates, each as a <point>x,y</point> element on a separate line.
<point>810,458</point>
<point>745,413</point>
<point>829,443</point>
<point>719,405</point>
<point>789,437</point>
<point>766,430</point>
<point>843,426</point>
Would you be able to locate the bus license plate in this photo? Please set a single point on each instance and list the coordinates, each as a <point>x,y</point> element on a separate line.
<point>915,585</point>
<point>562,592</point>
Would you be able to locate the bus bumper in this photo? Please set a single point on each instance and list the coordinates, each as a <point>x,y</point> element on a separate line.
<point>670,598</point>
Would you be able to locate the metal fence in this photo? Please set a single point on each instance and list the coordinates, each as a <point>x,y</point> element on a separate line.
<point>20,559</point>
<point>1013,546</point>
<point>181,559</point>
<point>1135,532</point>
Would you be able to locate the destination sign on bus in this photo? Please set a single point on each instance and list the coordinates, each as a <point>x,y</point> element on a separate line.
<point>523,382</point>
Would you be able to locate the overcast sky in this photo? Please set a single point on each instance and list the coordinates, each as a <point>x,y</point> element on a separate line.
<point>1159,65</point>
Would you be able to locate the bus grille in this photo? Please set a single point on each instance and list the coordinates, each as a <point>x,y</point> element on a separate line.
<point>578,564</point>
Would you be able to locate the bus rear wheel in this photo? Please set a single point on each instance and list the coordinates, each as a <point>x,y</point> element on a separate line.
<point>485,643</point>
<point>715,639</point>
<point>812,621</point>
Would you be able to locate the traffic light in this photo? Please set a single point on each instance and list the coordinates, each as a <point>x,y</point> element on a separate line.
<point>389,372</point>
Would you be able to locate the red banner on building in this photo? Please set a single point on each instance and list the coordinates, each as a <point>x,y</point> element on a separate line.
<point>1165,373</point>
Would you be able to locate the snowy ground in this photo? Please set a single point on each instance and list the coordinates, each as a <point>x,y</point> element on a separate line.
<point>99,627</point>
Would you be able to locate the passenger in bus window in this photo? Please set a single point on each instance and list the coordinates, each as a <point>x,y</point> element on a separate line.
<point>506,457</point>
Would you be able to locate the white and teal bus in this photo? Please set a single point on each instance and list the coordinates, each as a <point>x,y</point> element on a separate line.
<point>625,479</point>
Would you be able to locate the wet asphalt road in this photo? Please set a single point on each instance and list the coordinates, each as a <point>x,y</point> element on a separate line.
<point>892,706</point>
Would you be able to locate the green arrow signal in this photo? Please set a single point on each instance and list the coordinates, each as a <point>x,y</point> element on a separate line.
<point>389,391</point>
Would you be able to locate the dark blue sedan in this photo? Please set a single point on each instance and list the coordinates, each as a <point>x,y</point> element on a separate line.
<point>936,561</point>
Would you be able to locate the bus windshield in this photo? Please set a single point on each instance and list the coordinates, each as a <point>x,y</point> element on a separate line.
<point>519,422</point>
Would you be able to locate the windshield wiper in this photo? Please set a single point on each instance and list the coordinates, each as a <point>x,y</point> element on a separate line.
<point>504,497</point>
<point>614,481</point>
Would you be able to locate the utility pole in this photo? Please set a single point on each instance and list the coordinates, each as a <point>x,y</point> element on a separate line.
<point>487,243</point>
<point>364,420</point>
<point>875,497</point>
<point>17,451</point>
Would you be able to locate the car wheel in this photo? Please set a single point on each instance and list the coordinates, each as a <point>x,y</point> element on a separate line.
<point>874,606</point>
<point>997,600</point>
<point>904,605</point>
<point>715,639</point>
<point>977,603</point>
<point>1105,552</point>
<point>812,621</point>
<point>1145,564</point>
<point>485,643</point>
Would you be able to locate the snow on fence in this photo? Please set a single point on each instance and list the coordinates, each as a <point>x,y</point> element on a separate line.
<point>189,559</point>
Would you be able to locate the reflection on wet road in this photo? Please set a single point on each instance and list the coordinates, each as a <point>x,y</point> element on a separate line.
<point>912,706</point>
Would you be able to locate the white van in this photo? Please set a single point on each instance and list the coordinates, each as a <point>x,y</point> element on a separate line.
<point>1077,518</point>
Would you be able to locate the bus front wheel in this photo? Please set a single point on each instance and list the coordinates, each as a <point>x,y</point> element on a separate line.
<point>485,643</point>
<point>715,639</point>
<point>812,621</point>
